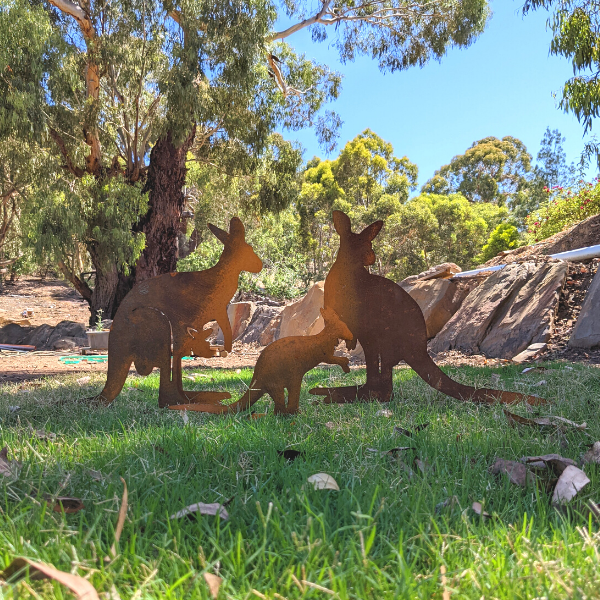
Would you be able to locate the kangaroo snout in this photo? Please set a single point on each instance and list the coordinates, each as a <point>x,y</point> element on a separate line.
<point>254,264</point>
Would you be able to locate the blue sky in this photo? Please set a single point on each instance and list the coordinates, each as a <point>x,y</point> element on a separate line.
<point>501,85</point>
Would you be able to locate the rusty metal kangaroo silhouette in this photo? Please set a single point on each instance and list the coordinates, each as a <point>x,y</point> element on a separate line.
<point>388,323</point>
<point>283,364</point>
<point>165,316</point>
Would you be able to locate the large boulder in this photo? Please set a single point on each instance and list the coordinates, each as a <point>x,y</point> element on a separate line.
<point>438,299</point>
<point>586,333</point>
<point>304,317</point>
<point>240,315</point>
<point>66,330</point>
<point>261,319</point>
<point>512,309</point>
<point>13,333</point>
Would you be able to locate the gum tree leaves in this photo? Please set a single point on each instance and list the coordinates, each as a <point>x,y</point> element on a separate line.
<point>517,473</point>
<point>8,468</point>
<point>550,421</point>
<point>200,508</point>
<point>82,588</point>
<point>569,484</point>
<point>323,481</point>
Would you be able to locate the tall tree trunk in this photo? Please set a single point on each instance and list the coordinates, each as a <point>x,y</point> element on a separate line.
<point>104,293</point>
<point>166,179</point>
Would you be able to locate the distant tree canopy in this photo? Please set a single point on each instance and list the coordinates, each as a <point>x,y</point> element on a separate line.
<point>491,170</point>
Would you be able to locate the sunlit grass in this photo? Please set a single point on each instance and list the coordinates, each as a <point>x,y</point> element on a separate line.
<point>378,537</point>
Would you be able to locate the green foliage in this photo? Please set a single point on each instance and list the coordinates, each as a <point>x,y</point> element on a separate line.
<point>275,241</point>
<point>565,207</point>
<point>96,214</point>
<point>431,229</point>
<point>576,28</point>
<point>491,170</point>
<point>504,237</point>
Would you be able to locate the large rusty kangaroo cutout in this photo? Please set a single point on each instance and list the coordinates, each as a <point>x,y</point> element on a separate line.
<point>388,323</point>
<point>171,311</point>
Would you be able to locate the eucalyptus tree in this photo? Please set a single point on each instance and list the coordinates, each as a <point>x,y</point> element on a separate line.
<point>135,86</point>
<point>575,26</point>
<point>491,170</point>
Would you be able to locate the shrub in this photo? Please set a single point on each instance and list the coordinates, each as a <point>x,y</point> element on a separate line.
<point>504,237</point>
<point>564,208</point>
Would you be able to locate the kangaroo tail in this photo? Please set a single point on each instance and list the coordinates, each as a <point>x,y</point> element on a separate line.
<point>436,378</point>
<point>245,402</point>
<point>115,380</point>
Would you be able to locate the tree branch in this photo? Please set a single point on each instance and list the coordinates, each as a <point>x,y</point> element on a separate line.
<point>79,14</point>
<point>70,165</point>
<point>81,286</point>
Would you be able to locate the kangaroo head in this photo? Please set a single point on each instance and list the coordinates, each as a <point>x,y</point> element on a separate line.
<point>236,247</point>
<point>356,246</point>
<point>334,324</point>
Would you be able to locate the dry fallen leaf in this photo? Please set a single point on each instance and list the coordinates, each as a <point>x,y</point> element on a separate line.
<point>120,520</point>
<point>202,509</point>
<point>517,473</point>
<point>556,462</point>
<point>495,378</point>
<point>84,380</point>
<point>66,504</point>
<point>329,425</point>
<point>386,412</point>
<point>569,484</point>
<point>323,481</point>
<point>551,421</point>
<point>214,583</point>
<point>8,468</point>
<point>534,370</point>
<point>392,451</point>
<point>401,431</point>
<point>592,455</point>
<point>290,454</point>
<point>81,587</point>
<point>478,509</point>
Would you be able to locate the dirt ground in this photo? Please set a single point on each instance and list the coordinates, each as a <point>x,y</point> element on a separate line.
<point>51,300</point>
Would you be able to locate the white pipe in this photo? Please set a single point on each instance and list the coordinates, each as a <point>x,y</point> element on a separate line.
<point>579,254</point>
<point>575,255</point>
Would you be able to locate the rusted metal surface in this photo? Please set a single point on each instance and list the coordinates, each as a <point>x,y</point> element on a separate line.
<point>388,323</point>
<point>283,364</point>
<point>162,320</point>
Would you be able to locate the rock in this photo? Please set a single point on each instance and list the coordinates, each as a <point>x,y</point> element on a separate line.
<point>358,353</point>
<point>39,337</point>
<point>438,299</point>
<point>512,309</point>
<point>13,333</point>
<point>240,315</point>
<point>530,352</point>
<point>586,333</point>
<point>271,332</point>
<point>65,344</point>
<point>304,317</point>
<point>65,329</point>
<point>262,317</point>
<point>440,271</point>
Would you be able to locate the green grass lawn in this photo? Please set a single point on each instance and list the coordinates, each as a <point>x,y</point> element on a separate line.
<point>380,536</point>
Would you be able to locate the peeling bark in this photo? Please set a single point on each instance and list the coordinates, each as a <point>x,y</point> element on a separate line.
<point>165,182</point>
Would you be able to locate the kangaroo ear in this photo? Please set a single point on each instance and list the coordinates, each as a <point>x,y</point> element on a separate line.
<point>221,235</point>
<point>341,222</point>
<point>370,233</point>
<point>236,228</point>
